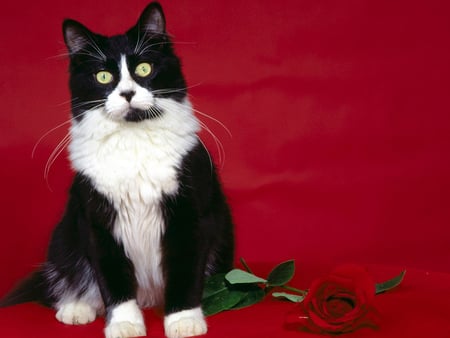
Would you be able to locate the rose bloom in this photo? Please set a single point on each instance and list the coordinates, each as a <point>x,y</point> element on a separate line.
<point>338,303</point>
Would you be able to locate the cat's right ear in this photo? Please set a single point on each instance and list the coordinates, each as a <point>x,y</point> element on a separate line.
<point>76,36</point>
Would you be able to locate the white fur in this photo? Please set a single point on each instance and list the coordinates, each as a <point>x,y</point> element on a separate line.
<point>126,321</point>
<point>70,301</point>
<point>134,164</point>
<point>76,313</point>
<point>186,323</point>
<point>116,105</point>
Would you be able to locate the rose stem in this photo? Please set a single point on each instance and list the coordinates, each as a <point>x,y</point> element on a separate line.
<point>290,288</point>
<point>245,265</point>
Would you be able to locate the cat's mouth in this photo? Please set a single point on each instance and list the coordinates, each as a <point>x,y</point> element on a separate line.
<point>137,115</point>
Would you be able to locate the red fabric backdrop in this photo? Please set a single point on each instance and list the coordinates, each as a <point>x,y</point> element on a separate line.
<point>339,114</point>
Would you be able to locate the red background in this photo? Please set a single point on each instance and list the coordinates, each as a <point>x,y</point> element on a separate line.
<point>339,114</point>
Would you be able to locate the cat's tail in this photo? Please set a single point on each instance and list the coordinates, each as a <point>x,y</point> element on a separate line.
<point>32,289</point>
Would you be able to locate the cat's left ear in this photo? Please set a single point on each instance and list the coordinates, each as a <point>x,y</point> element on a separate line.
<point>76,36</point>
<point>152,19</point>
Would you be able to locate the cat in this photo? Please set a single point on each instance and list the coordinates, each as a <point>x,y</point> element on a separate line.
<point>146,220</point>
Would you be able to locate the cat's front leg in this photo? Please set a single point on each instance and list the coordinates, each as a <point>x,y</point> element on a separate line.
<point>185,323</point>
<point>184,269</point>
<point>117,284</point>
<point>125,320</point>
<point>183,313</point>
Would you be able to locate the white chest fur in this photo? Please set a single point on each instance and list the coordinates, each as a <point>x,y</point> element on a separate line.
<point>134,165</point>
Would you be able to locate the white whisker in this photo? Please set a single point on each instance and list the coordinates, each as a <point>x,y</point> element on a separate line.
<point>215,120</point>
<point>94,45</point>
<point>62,144</point>
<point>219,145</point>
<point>63,55</point>
<point>207,152</point>
<point>38,142</point>
<point>65,102</point>
<point>140,42</point>
<point>173,90</point>
<point>141,48</point>
<point>46,134</point>
<point>54,155</point>
<point>82,104</point>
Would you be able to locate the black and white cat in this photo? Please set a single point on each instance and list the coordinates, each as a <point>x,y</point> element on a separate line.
<point>146,219</point>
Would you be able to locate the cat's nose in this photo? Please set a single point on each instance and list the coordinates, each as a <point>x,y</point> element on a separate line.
<point>128,95</point>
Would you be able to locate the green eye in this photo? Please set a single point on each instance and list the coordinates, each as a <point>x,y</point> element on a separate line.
<point>104,77</point>
<point>144,69</point>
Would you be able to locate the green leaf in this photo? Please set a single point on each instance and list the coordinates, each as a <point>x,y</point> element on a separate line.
<point>238,276</point>
<point>289,296</point>
<point>221,301</point>
<point>389,284</point>
<point>281,274</point>
<point>214,284</point>
<point>252,296</point>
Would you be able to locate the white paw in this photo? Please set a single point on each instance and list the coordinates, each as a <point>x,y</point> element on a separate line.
<point>76,313</point>
<point>126,321</point>
<point>125,330</point>
<point>185,323</point>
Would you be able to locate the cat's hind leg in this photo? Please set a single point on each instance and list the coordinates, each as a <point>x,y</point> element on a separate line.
<point>76,298</point>
<point>76,313</point>
<point>73,309</point>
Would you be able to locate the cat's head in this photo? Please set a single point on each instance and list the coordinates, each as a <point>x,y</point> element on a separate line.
<point>127,74</point>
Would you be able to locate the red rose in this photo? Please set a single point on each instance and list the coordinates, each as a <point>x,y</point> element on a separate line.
<point>338,303</point>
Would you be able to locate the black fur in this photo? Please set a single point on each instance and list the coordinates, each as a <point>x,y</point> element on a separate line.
<point>167,72</point>
<point>198,234</point>
<point>198,222</point>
